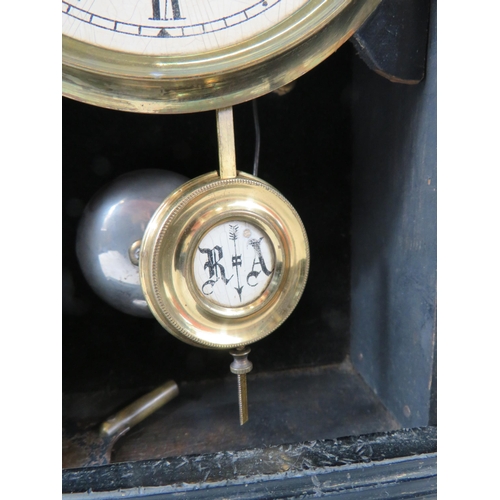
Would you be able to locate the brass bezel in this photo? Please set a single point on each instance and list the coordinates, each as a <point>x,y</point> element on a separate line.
<point>212,80</point>
<point>168,245</point>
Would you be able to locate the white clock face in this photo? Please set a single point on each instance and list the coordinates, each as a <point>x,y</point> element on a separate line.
<point>171,27</point>
<point>233,264</point>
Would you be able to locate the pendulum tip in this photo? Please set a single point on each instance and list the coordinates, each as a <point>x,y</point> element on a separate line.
<point>240,367</point>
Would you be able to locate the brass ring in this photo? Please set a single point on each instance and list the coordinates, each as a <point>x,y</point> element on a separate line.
<point>216,79</point>
<point>170,242</point>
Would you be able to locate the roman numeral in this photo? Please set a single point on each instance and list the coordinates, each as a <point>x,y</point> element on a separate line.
<point>170,7</point>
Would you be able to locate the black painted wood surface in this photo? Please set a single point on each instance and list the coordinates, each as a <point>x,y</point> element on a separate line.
<point>401,464</point>
<point>394,204</point>
<point>393,41</point>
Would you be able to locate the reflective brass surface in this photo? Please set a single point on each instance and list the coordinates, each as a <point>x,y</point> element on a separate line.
<point>133,252</point>
<point>225,137</point>
<point>240,367</point>
<point>139,410</point>
<point>170,244</point>
<point>218,79</point>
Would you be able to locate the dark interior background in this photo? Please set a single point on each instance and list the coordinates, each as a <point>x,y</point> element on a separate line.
<point>305,154</point>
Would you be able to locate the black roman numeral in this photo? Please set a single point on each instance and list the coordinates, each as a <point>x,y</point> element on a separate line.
<point>158,15</point>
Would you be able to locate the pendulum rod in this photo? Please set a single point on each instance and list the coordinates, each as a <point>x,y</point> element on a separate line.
<point>225,136</point>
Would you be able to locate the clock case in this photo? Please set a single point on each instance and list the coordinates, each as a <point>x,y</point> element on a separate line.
<point>343,395</point>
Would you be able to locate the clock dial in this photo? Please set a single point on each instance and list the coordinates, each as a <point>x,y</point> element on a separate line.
<point>183,56</point>
<point>170,27</point>
<point>234,264</point>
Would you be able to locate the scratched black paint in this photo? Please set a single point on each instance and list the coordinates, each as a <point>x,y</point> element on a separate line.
<point>282,463</point>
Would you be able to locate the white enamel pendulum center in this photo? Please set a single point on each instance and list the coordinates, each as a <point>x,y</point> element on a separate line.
<point>233,264</point>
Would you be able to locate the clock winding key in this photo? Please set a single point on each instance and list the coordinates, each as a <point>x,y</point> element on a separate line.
<point>240,367</point>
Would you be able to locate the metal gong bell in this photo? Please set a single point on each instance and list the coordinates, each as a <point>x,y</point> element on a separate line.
<point>110,233</point>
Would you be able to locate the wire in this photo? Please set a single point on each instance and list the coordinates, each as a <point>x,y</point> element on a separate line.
<point>257,138</point>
